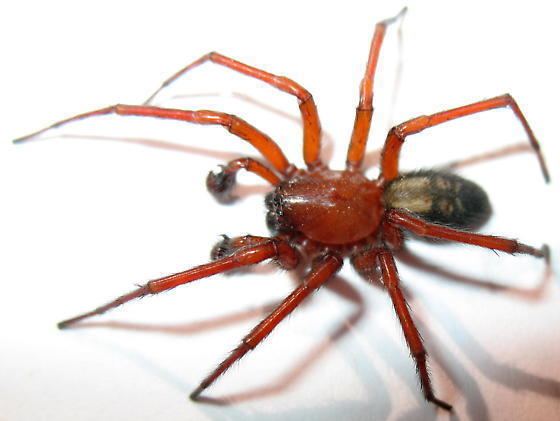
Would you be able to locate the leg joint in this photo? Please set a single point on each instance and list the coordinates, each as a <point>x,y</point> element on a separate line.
<point>286,255</point>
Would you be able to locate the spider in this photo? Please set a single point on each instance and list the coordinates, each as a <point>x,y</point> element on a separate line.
<point>318,216</point>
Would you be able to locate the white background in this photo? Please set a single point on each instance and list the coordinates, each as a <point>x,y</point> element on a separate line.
<point>107,203</point>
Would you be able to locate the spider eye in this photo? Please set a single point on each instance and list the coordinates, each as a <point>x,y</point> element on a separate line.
<point>273,201</point>
<point>275,218</point>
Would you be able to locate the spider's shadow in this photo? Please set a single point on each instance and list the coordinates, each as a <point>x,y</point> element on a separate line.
<point>338,286</point>
<point>372,159</point>
<point>507,375</point>
<point>534,293</point>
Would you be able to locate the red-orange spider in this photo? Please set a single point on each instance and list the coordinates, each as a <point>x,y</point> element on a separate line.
<point>324,215</point>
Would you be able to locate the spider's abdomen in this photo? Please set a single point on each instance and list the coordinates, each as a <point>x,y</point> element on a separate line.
<point>440,197</point>
<point>331,207</point>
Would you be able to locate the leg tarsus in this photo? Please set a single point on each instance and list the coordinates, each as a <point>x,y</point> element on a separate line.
<point>440,403</point>
<point>196,393</point>
<point>425,383</point>
<point>138,293</point>
<point>234,356</point>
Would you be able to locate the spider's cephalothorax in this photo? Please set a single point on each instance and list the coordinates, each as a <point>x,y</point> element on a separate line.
<point>330,207</point>
<point>328,214</point>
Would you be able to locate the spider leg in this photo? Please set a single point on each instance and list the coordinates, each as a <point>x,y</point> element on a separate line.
<point>221,183</point>
<point>418,226</point>
<point>364,111</point>
<point>320,273</point>
<point>264,144</point>
<point>397,135</point>
<point>249,250</point>
<point>308,109</point>
<point>390,278</point>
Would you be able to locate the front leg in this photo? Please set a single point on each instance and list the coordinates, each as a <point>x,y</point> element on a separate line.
<point>235,125</point>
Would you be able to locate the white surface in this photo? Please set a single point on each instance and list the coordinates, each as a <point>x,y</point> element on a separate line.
<point>82,220</point>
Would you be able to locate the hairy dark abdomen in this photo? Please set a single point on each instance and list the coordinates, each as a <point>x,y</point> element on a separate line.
<point>440,197</point>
